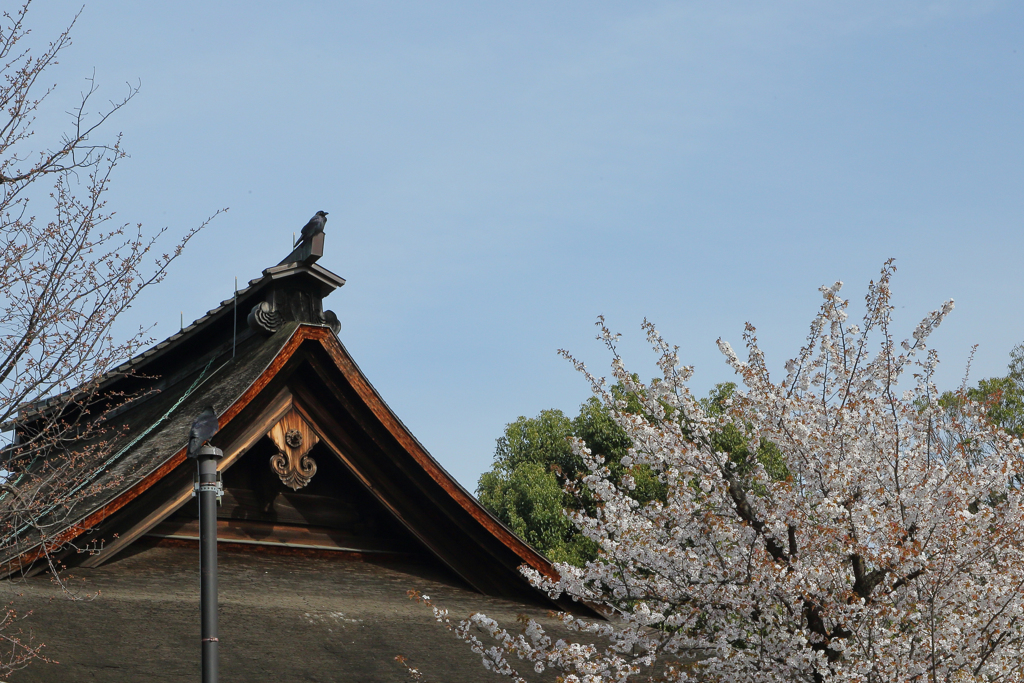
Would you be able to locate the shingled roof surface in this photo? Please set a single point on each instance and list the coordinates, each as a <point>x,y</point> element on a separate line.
<point>171,412</point>
<point>156,427</point>
<point>282,618</point>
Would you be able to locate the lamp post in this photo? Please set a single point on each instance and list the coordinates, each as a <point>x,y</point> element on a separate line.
<point>209,490</point>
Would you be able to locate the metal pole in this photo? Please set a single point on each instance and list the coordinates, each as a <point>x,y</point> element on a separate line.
<point>209,490</point>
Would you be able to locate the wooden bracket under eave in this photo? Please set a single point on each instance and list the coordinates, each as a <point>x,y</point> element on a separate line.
<point>294,438</point>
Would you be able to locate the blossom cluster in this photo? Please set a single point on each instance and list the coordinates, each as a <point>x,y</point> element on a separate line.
<point>885,544</point>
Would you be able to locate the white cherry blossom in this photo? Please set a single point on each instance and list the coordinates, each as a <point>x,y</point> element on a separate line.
<point>891,547</point>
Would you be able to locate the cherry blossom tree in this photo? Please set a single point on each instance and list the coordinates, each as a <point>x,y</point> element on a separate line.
<point>68,271</point>
<point>883,543</point>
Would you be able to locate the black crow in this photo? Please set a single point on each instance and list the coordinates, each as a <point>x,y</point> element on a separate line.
<point>315,226</point>
<point>203,429</point>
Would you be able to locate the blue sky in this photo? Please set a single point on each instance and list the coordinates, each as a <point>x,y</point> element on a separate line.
<point>498,174</point>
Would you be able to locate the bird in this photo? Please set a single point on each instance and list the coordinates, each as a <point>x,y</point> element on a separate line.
<point>203,429</point>
<point>315,226</point>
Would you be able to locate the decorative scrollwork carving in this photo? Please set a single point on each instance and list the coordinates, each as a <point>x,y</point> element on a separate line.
<point>294,438</point>
<point>293,474</point>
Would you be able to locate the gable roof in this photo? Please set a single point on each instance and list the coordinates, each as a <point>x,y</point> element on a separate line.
<point>252,380</point>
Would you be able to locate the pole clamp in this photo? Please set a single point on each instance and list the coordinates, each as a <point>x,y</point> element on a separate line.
<point>214,486</point>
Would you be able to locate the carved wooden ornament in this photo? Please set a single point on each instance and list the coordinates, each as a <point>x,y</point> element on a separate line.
<point>294,438</point>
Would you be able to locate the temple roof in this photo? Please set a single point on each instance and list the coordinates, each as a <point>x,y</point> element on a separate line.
<point>282,618</point>
<point>268,362</point>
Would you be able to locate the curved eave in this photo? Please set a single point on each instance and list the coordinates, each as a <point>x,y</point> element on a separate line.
<point>373,402</point>
<point>394,426</point>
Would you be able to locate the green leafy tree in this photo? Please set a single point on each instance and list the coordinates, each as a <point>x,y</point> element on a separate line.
<point>729,439</point>
<point>1002,397</point>
<point>526,487</point>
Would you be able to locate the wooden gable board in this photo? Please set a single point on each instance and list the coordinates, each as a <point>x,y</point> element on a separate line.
<point>310,370</point>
